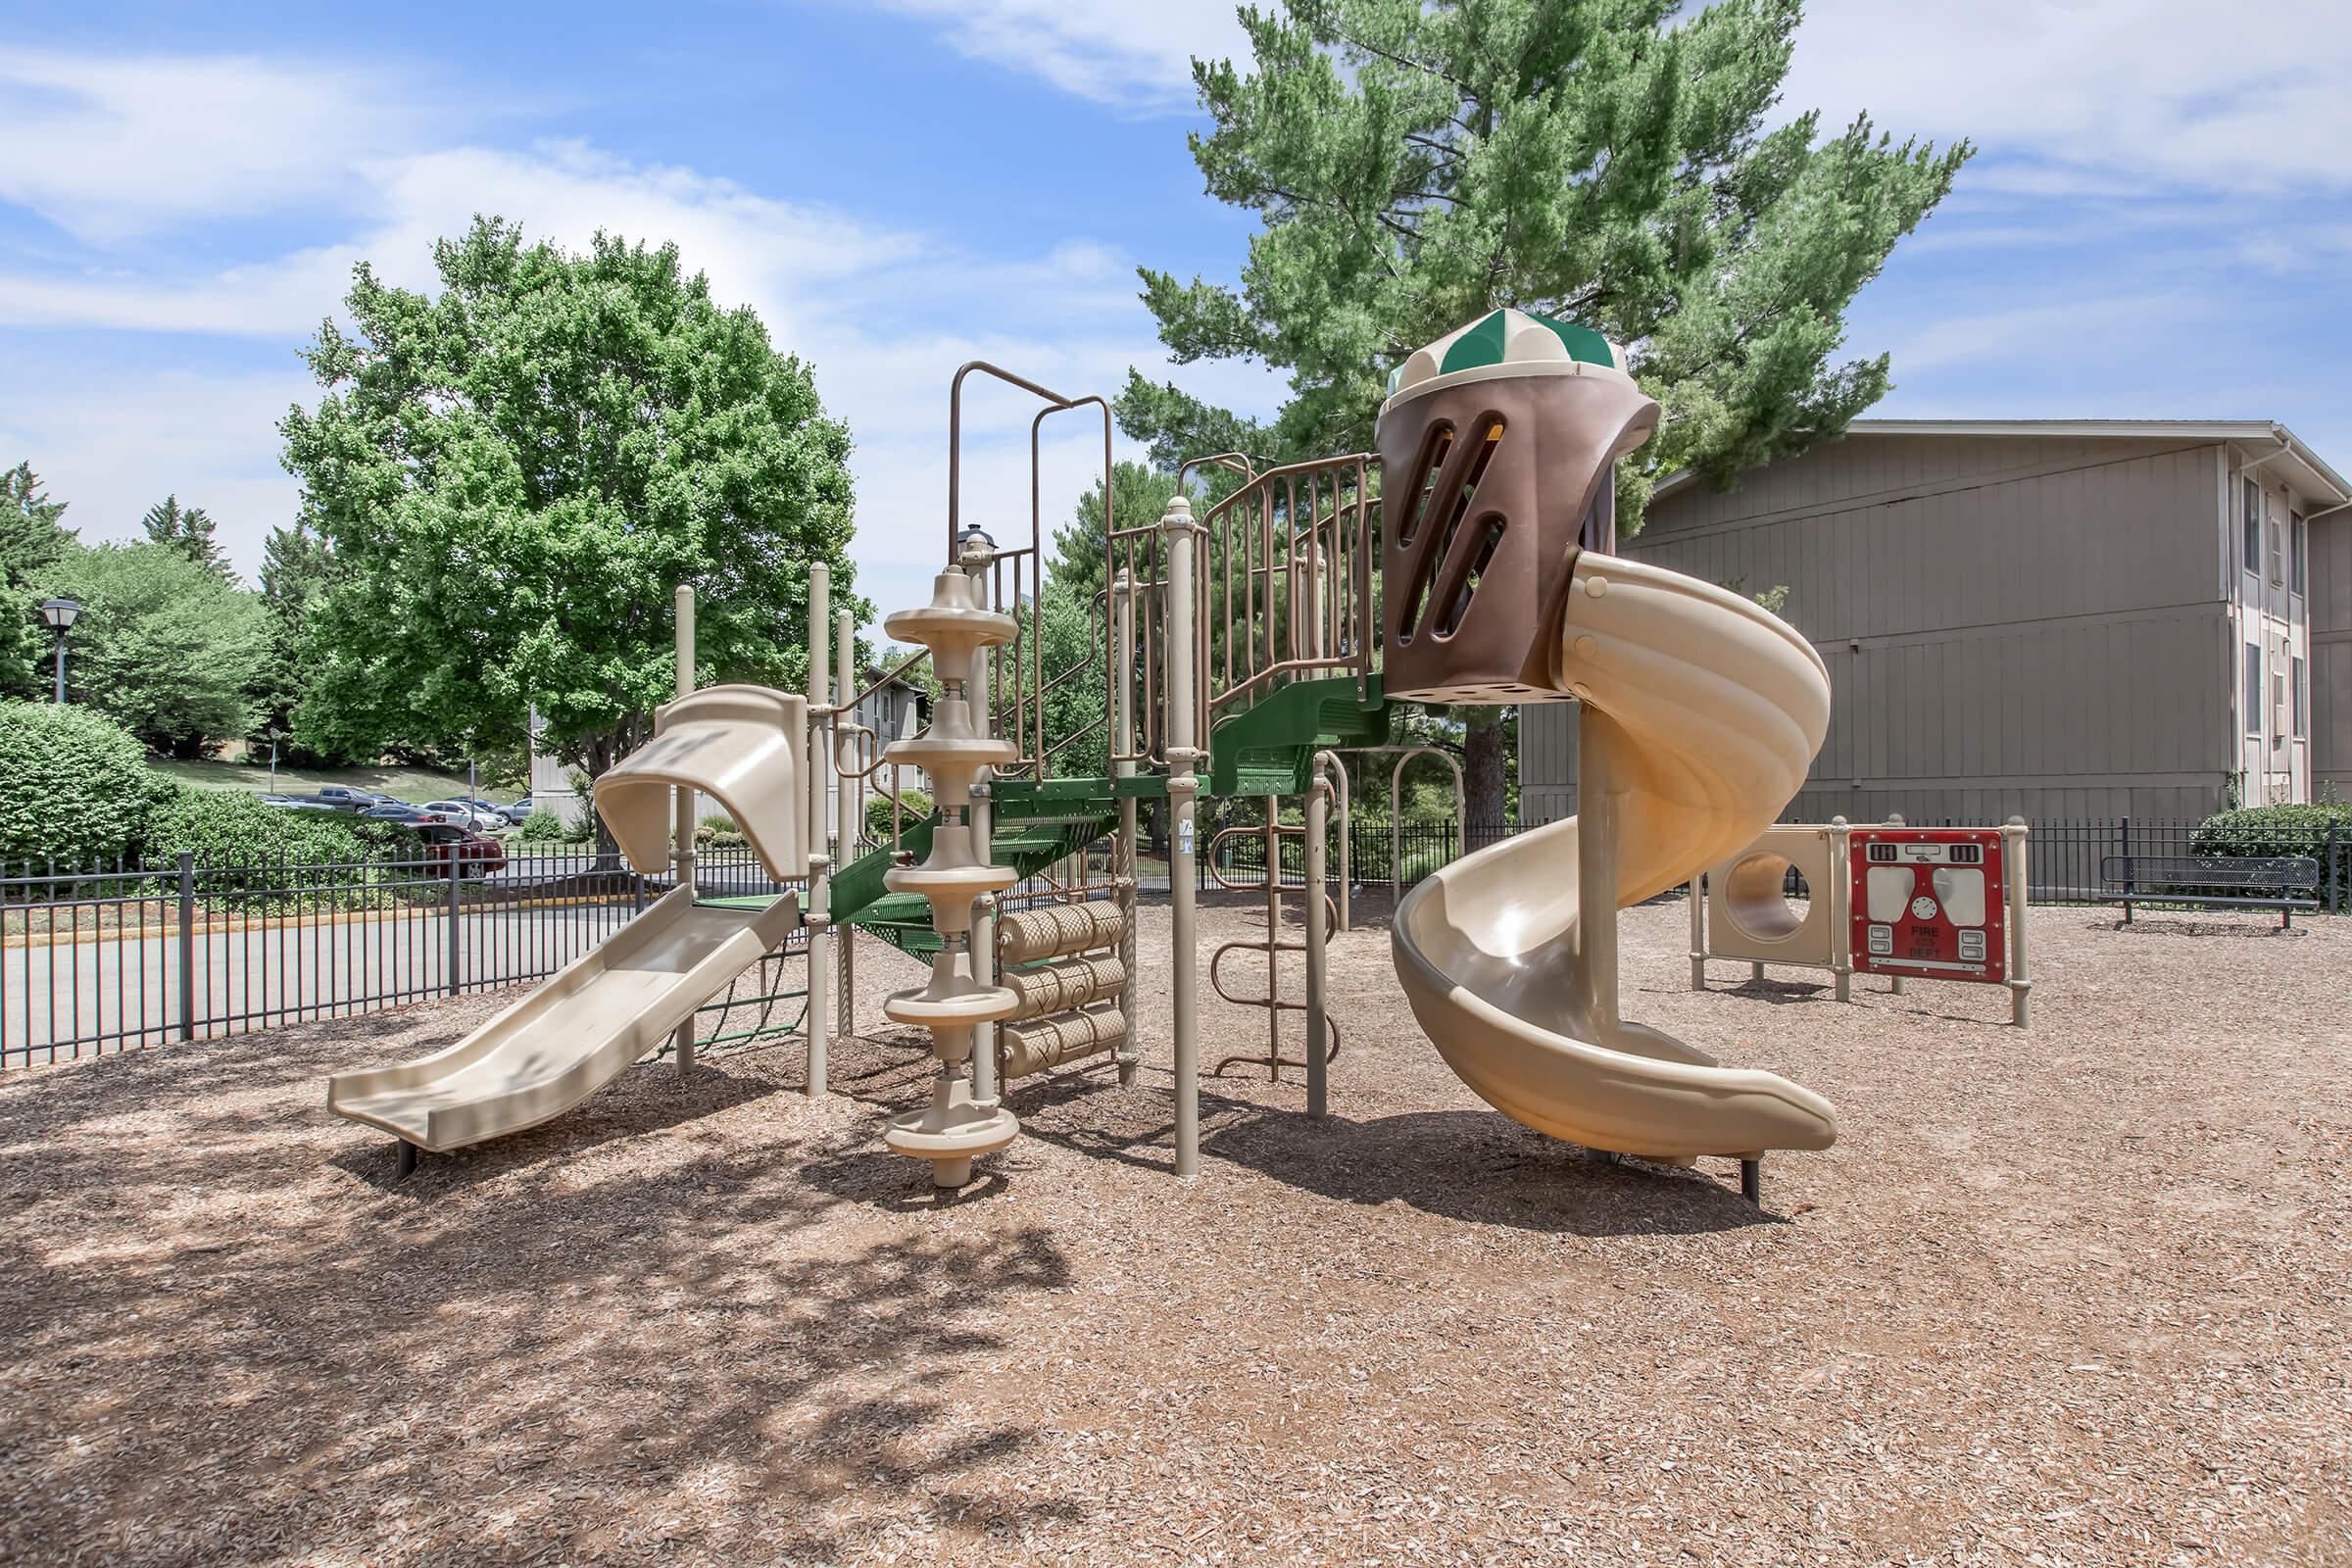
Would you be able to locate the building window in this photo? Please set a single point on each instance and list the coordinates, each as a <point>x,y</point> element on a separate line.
<point>2278,552</point>
<point>2251,561</point>
<point>2253,688</point>
<point>2302,701</point>
<point>2298,547</point>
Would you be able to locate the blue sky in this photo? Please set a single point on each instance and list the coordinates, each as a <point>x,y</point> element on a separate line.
<point>2158,224</point>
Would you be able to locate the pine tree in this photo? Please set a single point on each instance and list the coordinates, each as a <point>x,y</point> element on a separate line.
<point>296,567</point>
<point>1413,166</point>
<point>32,537</point>
<point>189,531</point>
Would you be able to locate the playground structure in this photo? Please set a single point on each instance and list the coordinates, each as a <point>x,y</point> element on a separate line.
<point>1247,650</point>
<point>1964,921</point>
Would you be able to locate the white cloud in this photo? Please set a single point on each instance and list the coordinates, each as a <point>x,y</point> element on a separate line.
<point>111,444</point>
<point>108,147</point>
<point>2103,95</point>
<point>1133,57</point>
<point>884,314</point>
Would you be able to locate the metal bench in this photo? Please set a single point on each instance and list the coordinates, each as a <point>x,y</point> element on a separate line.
<point>2254,881</point>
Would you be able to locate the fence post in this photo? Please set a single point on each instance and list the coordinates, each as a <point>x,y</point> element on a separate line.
<point>456,863</point>
<point>188,945</point>
<point>2336,896</point>
<point>2126,852</point>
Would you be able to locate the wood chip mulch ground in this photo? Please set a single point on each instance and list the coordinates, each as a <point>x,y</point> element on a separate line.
<point>2080,1296</point>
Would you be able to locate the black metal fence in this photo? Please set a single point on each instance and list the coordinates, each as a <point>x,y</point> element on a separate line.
<point>113,956</point>
<point>108,957</point>
<point>2066,860</point>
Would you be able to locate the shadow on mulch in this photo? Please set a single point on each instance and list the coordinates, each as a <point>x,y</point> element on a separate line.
<point>541,1319</point>
<point>2176,926</point>
<point>1483,1168</point>
<point>706,1090</point>
<point>1476,1166</point>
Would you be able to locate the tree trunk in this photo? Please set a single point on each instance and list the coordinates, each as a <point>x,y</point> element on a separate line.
<point>1482,783</point>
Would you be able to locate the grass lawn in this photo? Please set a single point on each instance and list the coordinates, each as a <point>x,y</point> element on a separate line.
<point>414,784</point>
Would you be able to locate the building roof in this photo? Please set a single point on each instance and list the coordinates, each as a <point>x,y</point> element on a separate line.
<point>2301,467</point>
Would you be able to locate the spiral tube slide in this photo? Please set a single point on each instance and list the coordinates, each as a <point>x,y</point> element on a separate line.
<point>1701,712</point>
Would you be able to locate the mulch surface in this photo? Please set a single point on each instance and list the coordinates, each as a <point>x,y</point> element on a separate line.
<point>2082,1295</point>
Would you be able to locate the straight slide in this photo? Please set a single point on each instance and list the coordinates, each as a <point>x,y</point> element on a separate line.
<point>573,1035</point>
<point>1701,713</point>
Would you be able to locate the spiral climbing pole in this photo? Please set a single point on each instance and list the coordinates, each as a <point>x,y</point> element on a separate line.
<point>955,1127</point>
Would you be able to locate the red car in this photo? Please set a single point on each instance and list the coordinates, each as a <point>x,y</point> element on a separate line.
<point>476,855</point>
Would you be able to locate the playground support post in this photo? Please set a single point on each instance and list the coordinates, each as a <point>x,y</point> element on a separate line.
<point>981,818</point>
<point>1598,801</point>
<point>1122,851</point>
<point>1329,762</point>
<point>1318,1069</point>
<point>1699,930</point>
<point>850,817</point>
<point>816,916</point>
<point>682,826</point>
<point>975,556</point>
<point>1840,893</point>
<point>2016,870</point>
<point>1183,788</point>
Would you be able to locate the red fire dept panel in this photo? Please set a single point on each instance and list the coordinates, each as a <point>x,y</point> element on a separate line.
<point>1929,903</point>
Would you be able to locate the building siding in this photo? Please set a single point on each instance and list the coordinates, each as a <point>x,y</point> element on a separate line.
<point>2331,640</point>
<point>2011,624</point>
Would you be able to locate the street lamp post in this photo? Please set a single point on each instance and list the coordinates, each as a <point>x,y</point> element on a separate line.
<point>61,614</point>
<point>275,735</point>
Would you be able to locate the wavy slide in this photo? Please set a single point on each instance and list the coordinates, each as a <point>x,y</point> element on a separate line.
<point>1701,712</point>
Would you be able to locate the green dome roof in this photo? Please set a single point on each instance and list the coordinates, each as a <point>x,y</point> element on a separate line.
<point>1508,342</point>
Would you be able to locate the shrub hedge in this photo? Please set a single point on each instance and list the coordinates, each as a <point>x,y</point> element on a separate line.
<point>2262,830</point>
<point>877,812</point>
<point>230,827</point>
<point>542,827</point>
<point>75,787</point>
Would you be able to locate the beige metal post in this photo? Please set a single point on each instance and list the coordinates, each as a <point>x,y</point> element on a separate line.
<point>1895,982</point>
<point>2018,871</point>
<point>1597,810</point>
<point>1842,906</point>
<point>682,829</point>
<point>818,919</point>
<point>1338,776</point>
<point>1318,820</point>
<point>1182,786</point>
<point>848,809</point>
<point>981,819</point>
<point>1698,932</point>
<point>1122,848</point>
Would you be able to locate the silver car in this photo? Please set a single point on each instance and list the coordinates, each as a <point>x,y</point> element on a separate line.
<point>465,813</point>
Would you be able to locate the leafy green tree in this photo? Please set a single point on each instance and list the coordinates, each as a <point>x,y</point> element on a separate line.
<point>1415,165</point>
<point>33,535</point>
<point>514,474</point>
<point>163,647</point>
<point>189,531</point>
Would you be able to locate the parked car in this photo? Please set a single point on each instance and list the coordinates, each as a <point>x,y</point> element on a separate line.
<point>482,818</point>
<point>401,812</point>
<point>504,814</point>
<point>519,811</point>
<point>344,797</point>
<point>474,853</point>
<point>299,802</point>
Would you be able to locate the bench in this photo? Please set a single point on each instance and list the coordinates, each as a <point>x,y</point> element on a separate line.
<point>2256,881</point>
